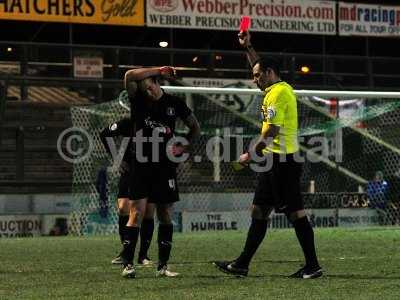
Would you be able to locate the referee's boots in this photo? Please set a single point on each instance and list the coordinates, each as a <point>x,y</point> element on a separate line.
<point>231,267</point>
<point>308,273</point>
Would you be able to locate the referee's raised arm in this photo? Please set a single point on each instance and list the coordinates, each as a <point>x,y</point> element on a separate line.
<point>245,42</point>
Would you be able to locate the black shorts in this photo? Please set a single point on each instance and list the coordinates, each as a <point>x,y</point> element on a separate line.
<point>123,185</point>
<point>279,187</point>
<point>155,181</point>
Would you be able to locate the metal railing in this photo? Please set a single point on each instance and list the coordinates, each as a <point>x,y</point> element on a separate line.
<point>52,64</point>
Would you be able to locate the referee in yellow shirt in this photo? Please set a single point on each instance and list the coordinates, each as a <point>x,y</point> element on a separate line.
<point>279,181</point>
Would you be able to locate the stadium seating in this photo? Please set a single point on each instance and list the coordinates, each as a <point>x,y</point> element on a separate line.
<point>48,95</point>
<point>29,159</point>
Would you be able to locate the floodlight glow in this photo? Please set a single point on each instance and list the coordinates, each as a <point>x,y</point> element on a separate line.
<point>305,69</point>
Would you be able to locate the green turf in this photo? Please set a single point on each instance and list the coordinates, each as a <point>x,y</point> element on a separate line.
<point>358,264</point>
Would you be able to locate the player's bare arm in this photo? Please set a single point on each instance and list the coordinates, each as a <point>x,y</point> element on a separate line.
<point>263,141</point>
<point>194,131</point>
<point>143,73</point>
<point>194,127</point>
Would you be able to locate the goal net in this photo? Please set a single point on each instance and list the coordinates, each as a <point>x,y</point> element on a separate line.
<point>349,142</point>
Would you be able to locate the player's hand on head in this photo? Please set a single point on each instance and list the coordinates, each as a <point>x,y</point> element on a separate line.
<point>167,72</point>
<point>244,39</point>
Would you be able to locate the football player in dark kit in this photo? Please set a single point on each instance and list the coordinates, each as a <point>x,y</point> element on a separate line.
<point>153,170</point>
<point>123,128</point>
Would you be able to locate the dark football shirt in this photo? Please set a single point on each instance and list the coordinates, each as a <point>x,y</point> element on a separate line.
<point>122,128</point>
<point>157,118</point>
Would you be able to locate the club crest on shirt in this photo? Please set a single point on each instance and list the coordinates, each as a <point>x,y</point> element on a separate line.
<point>170,111</point>
<point>113,126</point>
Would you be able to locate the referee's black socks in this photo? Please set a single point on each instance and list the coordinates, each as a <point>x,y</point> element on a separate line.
<point>122,220</point>
<point>305,235</point>
<point>165,232</point>
<point>255,236</point>
<point>130,239</point>
<point>146,234</point>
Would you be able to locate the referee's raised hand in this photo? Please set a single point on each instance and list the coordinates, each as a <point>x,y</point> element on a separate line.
<point>244,39</point>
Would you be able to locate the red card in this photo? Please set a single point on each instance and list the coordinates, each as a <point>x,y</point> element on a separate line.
<point>245,23</point>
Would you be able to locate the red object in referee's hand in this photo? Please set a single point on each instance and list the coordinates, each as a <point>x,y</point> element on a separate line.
<point>244,24</point>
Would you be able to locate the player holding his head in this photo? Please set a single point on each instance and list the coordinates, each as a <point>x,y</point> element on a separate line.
<point>153,176</point>
<point>123,128</point>
<point>279,183</point>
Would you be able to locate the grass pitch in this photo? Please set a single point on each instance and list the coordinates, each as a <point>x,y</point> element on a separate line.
<point>358,264</point>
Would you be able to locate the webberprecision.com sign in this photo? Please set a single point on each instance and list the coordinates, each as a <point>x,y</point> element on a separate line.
<point>286,16</point>
<point>102,12</point>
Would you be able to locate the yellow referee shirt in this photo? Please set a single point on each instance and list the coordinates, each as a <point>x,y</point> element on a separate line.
<point>280,108</point>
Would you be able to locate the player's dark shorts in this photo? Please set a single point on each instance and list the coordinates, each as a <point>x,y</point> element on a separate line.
<point>124,184</point>
<point>279,187</point>
<point>155,181</point>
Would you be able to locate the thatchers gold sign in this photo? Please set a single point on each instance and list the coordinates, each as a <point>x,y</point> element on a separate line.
<point>103,12</point>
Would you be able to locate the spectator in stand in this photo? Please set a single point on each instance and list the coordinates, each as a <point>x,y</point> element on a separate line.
<point>377,190</point>
<point>377,193</point>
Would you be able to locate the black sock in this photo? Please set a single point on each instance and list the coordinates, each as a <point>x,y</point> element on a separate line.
<point>130,239</point>
<point>165,232</point>
<point>122,220</point>
<point>146,234</point>
<point>255,236</point>
<point>305,235</point>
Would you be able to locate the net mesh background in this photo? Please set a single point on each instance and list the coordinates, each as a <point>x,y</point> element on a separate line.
<point>369,142</point>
